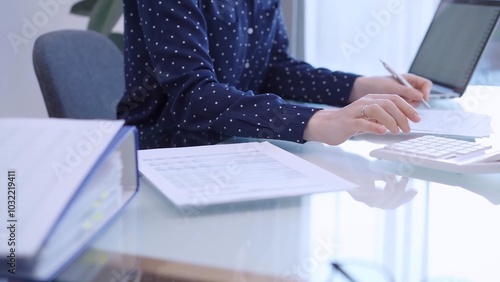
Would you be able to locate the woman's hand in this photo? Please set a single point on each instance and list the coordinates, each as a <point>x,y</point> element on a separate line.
<point>375,113</point>
<point>387,84</point>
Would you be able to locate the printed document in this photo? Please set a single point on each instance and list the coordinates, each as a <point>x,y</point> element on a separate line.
<point>216,174</point>
<point>453,123</point>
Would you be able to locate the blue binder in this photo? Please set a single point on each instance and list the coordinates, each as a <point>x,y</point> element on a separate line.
<point>102,195</point>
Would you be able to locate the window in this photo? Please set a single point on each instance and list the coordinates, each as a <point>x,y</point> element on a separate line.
<point>353,35</point>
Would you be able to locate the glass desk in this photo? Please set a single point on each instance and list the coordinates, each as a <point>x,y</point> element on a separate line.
<point>401,224</point>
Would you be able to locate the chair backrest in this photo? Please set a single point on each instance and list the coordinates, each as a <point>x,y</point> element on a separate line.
<point>80,74</point>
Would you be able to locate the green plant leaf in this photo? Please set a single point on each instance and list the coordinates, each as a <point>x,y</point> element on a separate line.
<point>83,8</point>
<point>118,39</point>
<point>105,15</point>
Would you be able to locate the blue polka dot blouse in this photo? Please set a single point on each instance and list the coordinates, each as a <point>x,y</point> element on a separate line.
<point>200,71</point>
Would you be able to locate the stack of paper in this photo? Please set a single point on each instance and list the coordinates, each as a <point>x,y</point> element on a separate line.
<point>452,123</point>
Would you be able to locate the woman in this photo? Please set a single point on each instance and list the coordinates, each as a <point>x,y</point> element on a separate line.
<point>199,71</point>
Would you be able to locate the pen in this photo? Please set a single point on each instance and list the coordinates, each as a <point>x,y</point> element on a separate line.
<point>401,80</point>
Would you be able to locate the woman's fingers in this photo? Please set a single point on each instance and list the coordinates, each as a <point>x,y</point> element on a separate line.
<point>423,85</point>
<point>364,125</point>
<point>420,90</point>
<point>374,113</point>
<point>403,106</point>
<point>391,111</point>
<point>378,114</point>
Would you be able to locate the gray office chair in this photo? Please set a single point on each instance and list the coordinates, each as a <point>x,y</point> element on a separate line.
<point>80,74</point>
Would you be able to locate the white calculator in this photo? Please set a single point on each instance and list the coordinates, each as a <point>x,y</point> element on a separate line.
<point>442,153</point>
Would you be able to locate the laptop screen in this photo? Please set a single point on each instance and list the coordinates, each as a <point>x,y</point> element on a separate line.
<point>455,41</point>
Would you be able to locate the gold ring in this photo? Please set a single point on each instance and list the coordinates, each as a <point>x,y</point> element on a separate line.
<point>363,112</point>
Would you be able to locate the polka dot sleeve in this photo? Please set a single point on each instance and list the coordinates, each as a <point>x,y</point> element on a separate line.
<point>299,81</point>
<point>206,66</point>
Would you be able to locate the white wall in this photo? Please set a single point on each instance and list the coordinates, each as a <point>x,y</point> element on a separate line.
<point>22,22</point>
<point>353,35</point>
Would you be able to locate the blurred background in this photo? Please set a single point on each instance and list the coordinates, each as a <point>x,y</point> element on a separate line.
<point>22,22</point>
<point>343,35</point>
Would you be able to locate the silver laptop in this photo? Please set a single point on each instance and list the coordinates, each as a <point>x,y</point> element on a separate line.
<point>453,44</point>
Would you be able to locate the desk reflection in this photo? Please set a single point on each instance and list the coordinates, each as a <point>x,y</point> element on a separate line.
<point>486,185</point>
<point>376,188</point>
<point>389,194</point>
